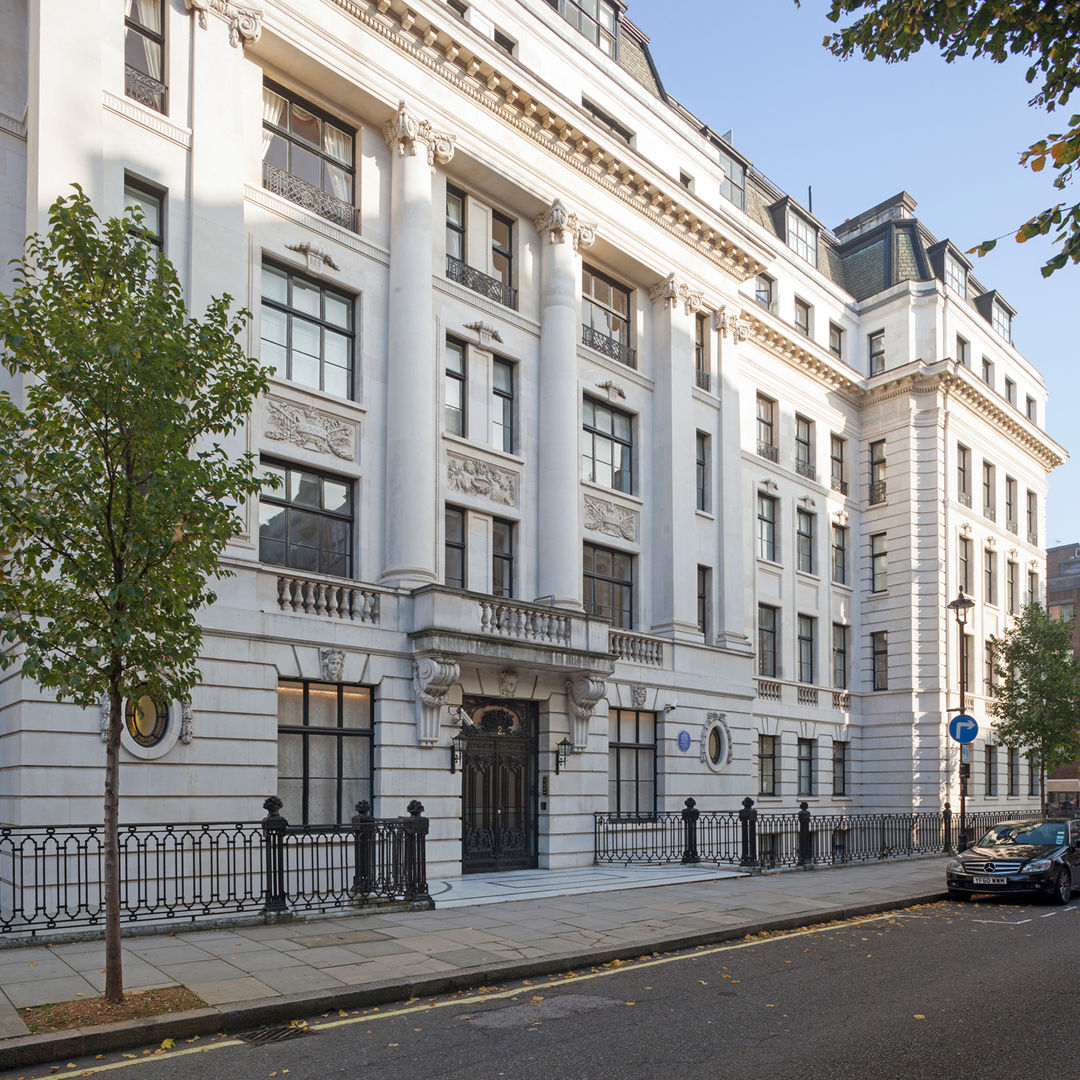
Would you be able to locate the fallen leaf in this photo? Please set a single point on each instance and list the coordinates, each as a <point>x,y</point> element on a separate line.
<point>393,1044</point>
<point>342,1012</point>
<point>703,982</point>
<point>536,999</point>
<point>920,1016</point>
<point>167,1044</point>
<point>631,1003</point>
<point>31,963</point>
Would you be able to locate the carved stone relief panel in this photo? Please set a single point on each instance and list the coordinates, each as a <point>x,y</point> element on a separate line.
<point>474,477</point>
<point>610,518</point>
<point>310,428</point>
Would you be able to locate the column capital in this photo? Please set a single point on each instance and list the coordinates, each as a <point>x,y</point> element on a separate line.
<point>739,327</point>
<point>672,289</point>
<point>245,20</point>
<point>407,130</point>
<point>560,223</point>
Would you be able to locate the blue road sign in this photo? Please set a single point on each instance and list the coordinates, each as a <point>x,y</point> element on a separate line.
<point>963,728</point>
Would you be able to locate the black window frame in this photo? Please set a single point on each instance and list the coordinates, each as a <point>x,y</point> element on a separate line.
<point>141,85</point>
<point>300,815</point>
<point>806,648</point>
<point>838,463</point>
<point>609,317</point>
<point>879,562</point>
<point>768,755</point>
<point>458,379</point>
<point>293,314</point>
<point>733,186</point>
<point>839,554</point>
<point>876,349</point>
<point>642,751</point>
<point>704,599</point>
<point>768,631</point>
<point>1012,771</point>
<point>622,477</point>
<point>1012,586</point>
<point>990,577</point>
<point>963,474</point>
<point>503,558</point>
<point>991,777</point>
<point>458,544</point>
<point>454,228</point>
<point>503,406</point>
<point>701,470</point>
<point>589,26</point>
<point>504,273</point>
<point>836,340</point>
<point>151,194</point>
<point>805,754</point>
<point>802,315</point>
<point>804,446</point>
<point>879,660</point>
<point>767,547</point>
<point>878,485</point>
<point>623,616</point>
<point>963,565</point>
<point>805,541</point>
<point>765,291</point>
<point>840,749</point>
<point>840,658</point>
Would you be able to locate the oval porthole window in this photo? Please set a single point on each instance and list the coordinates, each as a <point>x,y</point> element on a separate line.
<point>147,719</point>
<point>716,746</point>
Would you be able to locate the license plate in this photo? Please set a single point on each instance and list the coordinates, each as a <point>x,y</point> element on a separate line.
<point>990,881</point>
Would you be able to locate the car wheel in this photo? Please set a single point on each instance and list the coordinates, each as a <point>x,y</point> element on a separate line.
<point>1062,888</point>
<point>956,894</point>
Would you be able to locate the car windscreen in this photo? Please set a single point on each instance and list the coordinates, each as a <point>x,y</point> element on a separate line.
<point>1035,833</point>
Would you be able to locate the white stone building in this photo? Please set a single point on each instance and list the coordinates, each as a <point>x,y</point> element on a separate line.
<point>589,434</point>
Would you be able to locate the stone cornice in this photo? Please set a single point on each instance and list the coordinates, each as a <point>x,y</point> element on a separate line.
<point>456,63</point>
<point>146,118</point>
<point>798,355</point>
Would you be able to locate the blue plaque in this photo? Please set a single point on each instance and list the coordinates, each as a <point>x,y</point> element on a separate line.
<point>684,741</point>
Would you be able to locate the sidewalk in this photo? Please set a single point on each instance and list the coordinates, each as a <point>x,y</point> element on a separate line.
<point>481,932</point>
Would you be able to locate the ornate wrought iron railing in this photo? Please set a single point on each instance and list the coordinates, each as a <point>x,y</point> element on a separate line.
<point>964,497</point>
<point>877,492</point>
<point>805,468</point>
<point>703,378</point>
<point>609,346</point>
<point>309,196</point>
<point>989,513</point>
<point>52,878</point>
<point>763,840</point>
<point>839,485</point>
<point>768,450</point>
<point>144,89</point>
<point>481,283</point>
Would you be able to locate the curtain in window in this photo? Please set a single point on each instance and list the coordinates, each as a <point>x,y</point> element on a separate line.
<point>274,107</point>
<point>338,145</point>
<point>148,13</point>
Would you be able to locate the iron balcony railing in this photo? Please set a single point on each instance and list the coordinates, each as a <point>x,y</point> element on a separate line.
<point>768,450</point>
<point>609,346</point>
<point>484,284</point>
<point>989,513</point>
<point>52,878</point>
<point>703,378</point>
<point>877,492</point>
<point>748,838</point>
<point>964,498</point>
<point>144,89</point>
<point>805,468</point>
<point>839,485</point>
<point>309,196</point>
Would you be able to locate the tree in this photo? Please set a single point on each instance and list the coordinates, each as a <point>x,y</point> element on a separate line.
<point>1047,33</point>
<point>1036,703</point>
<point>115,497</point>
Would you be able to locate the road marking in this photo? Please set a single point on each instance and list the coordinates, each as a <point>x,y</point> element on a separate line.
<point>145,1059</point>
<point>1001,922</point>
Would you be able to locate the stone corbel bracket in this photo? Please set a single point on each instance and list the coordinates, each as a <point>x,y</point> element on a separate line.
<point>561,224</point>
<point>407,131</point>
<point>433,676</point>
<point>245,23</point>
<point>724,321</point>
<point>583,692</point>
<point>672,290</point>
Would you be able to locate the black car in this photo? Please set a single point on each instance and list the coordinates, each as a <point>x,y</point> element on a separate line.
<point>1036,856</point>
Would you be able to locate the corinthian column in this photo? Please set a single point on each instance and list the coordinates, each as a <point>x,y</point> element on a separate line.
<point>412,379</point>
<point>559,524</point>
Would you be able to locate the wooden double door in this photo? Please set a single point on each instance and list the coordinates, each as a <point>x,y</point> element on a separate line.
<point>498,798</point>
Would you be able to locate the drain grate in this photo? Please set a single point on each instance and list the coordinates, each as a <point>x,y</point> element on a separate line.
<point>277,1033</point>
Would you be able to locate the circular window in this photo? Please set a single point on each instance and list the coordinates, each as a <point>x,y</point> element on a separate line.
<point>147,719</point>
<point>716,742</point>
<point>716,746</point>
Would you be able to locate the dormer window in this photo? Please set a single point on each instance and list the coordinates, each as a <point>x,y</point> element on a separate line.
<point>733,186</point>
<point>802,237</point>
<point>1002,322</point>
<point>598,20</point>
<point>956,276</point>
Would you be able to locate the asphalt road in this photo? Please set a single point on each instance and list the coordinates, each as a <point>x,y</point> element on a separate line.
<point>982,990</point>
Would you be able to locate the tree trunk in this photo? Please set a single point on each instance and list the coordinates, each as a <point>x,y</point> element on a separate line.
<point>114,974</point>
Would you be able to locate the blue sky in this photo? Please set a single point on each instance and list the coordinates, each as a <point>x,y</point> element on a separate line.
<point>949,134</point>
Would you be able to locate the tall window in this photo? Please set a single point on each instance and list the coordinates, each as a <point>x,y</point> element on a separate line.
<point>988,490</point>
<point>151,201</point>
<point>807,642</point>
<point>1033,587</point>
<point>1031,409</point>
<point>839,554</point>
<point>837,458</point>
<point>307,331</point>
<point>839,768</point>
<point>704,599</point>
<point>502,558</point>
<point>840,655</point>
<point>454,407</point>
<point>877,472</point>
<point>879,563</point>
<point>455,224</point>
<point>963,565</point>
<point>495,279</point>
<point>733,186</point>
<point>1032,517</point>
<point>632,762</point>
<point>836,340</point>
<point>963,474</point>
<point>1014,771</point>
<point>308,156</point>
<point>767,755</point>
<point>963,351</point>
<point>144,53</point>
<point>967,650</point>
<point>766,428</point>
<point>988,371</point>
<point>701,449</point>
<point>608,586</point>
<point>766,517</point>
<point>605,315</point>
<point>806,750</point>
<point>1010,504</point>
<point>502,405</point>
<point>502,248</point>
<point>989,669</point>
<point>879,659</point>
<point>607,449</point>
<point>701,359</point>
<point>956,276</point>
<point>454,548</point>
<point>768,617</point>
<point>990,576</point>
<point>877,352</point>
<point>991,770</point>
<point>1012,601</point>
<point>306,523</point>
<point>804,541</point>
<point>765,291</point>
<point>1010,391</point>
<point>598,20</point>
<point>1002,322</point>
<point>1034,778</point>
<point>326,737</point>
<point>802,237</point>
<point>804,447</point>
<point>802,316</point>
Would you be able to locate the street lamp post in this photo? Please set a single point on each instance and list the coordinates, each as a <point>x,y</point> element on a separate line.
<point>960,607</point>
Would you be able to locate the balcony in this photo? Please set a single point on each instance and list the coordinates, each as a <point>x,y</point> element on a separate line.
<point>637,648</point>
<point>609,346</point>
<point>1033,538</point>
<point>704,379</point>
<point>144,89</point>
<point>964,498</point>
<point>807,695</point>
<point>841,700</point>
<point>768,690</point>
<point>989,513</point>
<point>877,492</point>
<point>328,598</point>
<point>487,286</point>
<point>805,468</point>
<point>1011,525</point>
<point>309,197</point>
<point>767,450</point>
<point>839,485</point>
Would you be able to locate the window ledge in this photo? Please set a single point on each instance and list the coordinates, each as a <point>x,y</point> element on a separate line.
<point>607,492</point>
<point>708,515</point>
<point>485,449</point>
<point>318,397</point>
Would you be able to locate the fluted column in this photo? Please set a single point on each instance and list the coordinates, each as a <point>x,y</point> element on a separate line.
<point>412,377</point>
<point>674,565</point>
<point>558,503</point>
